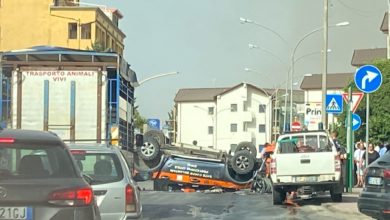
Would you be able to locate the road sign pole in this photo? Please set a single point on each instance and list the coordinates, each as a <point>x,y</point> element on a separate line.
<point>367,125</point>
<point>349,141</point>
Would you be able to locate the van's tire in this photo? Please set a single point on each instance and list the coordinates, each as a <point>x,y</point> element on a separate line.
<point>156,134</point>
<point>336,197</point>
<point>242,162</point>
<point>278,196</point>
<point>150,150</point>
<point>245,145</point>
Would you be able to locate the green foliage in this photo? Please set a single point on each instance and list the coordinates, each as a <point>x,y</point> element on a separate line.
<point>379,110</point>
<point>97,46</point>
<point>139,121</point>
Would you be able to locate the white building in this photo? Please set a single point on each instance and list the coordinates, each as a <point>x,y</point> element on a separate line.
<point>221,117</point>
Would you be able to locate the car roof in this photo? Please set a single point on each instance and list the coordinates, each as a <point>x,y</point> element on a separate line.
<point>30,136</point>
<point>93,147</point>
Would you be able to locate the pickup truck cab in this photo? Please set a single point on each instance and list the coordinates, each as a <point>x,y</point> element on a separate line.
<point>305,163</point>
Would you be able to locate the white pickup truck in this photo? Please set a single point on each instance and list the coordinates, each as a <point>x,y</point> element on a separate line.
<point>305,163</point>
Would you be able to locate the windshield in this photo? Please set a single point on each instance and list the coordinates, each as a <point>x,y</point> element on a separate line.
<point>304,144</point>
<point>100,167</point>
<point>32,162</point>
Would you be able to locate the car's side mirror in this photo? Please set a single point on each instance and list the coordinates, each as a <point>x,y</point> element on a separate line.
<point>139,140</point>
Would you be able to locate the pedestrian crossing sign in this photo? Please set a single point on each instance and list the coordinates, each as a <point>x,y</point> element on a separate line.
<point>334,103</point>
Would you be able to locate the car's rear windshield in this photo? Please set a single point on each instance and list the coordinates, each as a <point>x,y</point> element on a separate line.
<point>304,144</point>
<point>99,167</point>
<point>35,162</point>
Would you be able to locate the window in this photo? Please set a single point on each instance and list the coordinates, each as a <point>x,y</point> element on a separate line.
<point>261,128</point>
<point>233,107</point>
<point>211,110</point>
<point>102,167</point>
<point>34,162</point>
<point>262,108</point>
<point>211,129</point>
<point>86,31</point>
<point>72,30</point>
<point>233,127</point>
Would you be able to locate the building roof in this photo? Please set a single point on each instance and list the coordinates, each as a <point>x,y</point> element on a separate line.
<point>365,56</point>
<point>209,94</point>
<point>334,81</point>
<point>198,94</point>
<point>385,24</point>
<point>250,85</point>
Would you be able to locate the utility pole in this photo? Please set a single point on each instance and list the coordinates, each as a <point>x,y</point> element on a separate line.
<point>325,70</point>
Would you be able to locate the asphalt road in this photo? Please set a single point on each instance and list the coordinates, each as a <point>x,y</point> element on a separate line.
<point>241,206</point>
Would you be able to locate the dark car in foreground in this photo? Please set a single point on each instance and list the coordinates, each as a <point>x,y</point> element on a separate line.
<point>374,200</point>
<point>39,180</point>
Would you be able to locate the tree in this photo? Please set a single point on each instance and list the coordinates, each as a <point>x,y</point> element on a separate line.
<point>379,110</point>
<point>139,121</point>
<point>97,46</point>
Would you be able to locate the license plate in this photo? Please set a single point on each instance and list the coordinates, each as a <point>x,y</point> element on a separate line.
<point>16,213</point>
<point>306,179</point>
<point>374,180</point>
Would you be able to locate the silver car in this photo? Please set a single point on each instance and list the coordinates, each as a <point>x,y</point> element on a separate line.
<point>116,193</point>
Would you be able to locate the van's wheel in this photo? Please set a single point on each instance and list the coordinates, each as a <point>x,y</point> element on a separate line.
<point>336,197</point>
<point>278,196</point>
<point>149,150</point>
<point>242,162</point>
<point>247,146</point>
<point>158,135</point>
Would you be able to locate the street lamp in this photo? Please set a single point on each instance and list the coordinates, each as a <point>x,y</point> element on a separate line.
<point>137,84</point>
<point>253,46</point>
<point>248,21</point>
<point>345,23</point>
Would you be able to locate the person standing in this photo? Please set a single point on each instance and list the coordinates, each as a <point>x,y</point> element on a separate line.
<point>358,155</point>
<point>372,154</point>
<point>382,149</point>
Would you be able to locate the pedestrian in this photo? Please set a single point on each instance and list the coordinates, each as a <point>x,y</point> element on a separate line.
<point>382,149</point>
<point>358,155</point>
<point>372,154</point>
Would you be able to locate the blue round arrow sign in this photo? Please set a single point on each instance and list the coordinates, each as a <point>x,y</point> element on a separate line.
<point>356,122</point>
<point>368,78</point>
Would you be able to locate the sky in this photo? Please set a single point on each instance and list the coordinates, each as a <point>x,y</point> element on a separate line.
<point>206,43</point>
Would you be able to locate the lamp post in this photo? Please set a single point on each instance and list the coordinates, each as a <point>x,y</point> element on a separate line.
<point>154,77</point>
<point>293,55</point>
<point>253,46</point>
<point>248,21</point>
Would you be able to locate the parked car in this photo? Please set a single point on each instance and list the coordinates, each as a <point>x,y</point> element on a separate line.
<point>117,194</point>
<point>40,180</point>
<point>374,200</point>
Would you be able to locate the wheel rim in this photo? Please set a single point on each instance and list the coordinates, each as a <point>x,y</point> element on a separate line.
<point>148,149</point>
<point>242,162</point>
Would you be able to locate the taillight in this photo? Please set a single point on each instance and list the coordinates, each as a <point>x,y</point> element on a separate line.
<point>273,166</point>
<point>71,197</point>
<point>337,164</point>
<point>130,199</point>
<point>386,174</point>
<point>7,140</point>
